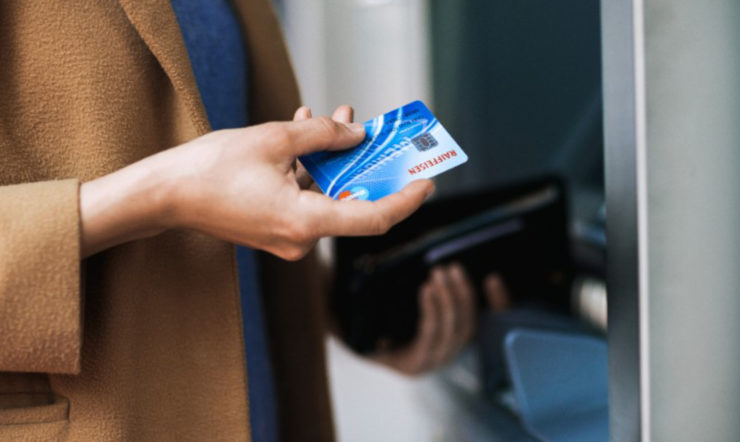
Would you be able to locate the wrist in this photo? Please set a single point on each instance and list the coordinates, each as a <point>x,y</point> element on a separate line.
<point>132,203</point>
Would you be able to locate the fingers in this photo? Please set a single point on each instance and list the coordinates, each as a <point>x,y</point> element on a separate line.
<point>356,218</point>
<point>415,358</point>
<point>464,292</point>
<point>314,134</point>
<point>496,293</point>
<point>344,114</point>
<point>456,296</point>
<point>449,317</point>
<point>446,312</point>
<point>427,333</point>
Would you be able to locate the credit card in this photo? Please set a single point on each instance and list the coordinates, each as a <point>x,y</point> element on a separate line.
<point>400,146</point>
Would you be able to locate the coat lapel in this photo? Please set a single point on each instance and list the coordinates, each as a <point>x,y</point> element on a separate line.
<point>157,25</point>
<point>273,89</point>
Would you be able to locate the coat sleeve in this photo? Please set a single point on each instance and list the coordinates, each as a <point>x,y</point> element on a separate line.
<point>40,300</point>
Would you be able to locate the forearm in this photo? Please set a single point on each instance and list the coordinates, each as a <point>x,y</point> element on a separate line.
<point>129,204</point>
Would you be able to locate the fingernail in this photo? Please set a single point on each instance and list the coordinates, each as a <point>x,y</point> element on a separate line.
<point>357,128</point>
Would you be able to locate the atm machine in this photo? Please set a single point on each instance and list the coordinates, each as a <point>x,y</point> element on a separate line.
<point>670,95</point>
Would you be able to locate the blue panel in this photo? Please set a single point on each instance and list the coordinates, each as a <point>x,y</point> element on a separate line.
<point>560,383</point>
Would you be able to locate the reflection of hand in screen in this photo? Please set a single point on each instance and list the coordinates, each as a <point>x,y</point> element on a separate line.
<point>447,319</point>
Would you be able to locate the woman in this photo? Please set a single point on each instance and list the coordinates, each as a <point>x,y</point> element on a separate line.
<point>119,288</point>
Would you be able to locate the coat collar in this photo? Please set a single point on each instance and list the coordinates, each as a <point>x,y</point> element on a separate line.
<point>156,23</point>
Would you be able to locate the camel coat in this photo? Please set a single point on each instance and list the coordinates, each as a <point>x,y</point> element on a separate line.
<point>143,341</point>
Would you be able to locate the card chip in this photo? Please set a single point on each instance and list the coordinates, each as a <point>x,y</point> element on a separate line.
<point>424,142</point>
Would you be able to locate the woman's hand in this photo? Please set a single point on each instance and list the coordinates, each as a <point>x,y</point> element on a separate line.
<point>239,185</point>
<point>447,320</point>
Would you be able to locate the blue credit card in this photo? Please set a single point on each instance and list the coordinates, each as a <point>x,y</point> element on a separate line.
<point>401,146</point>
